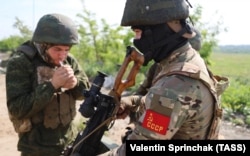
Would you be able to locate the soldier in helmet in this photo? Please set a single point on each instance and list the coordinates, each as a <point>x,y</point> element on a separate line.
<point>153,70</point>
<point>43,82</point>
<point>181,102</point>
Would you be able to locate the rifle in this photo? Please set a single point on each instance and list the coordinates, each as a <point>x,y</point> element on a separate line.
<point>102,109</point>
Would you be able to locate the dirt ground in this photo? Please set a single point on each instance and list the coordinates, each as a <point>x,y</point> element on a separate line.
<point>8,138</point>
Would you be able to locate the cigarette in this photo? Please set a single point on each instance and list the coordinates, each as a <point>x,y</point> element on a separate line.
<point>61,63</point>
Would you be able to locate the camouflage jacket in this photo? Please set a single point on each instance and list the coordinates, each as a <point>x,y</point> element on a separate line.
<point>30,96</point>
<point>177,106</point>
<point>183,102</point>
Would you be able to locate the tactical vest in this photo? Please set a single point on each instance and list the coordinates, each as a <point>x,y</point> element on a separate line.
<point>216,84</point>
<point>61,109</point>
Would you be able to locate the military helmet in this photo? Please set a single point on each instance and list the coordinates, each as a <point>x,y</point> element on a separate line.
<point>56,29</point>
<point>196,40</point>
<point>151,12</point>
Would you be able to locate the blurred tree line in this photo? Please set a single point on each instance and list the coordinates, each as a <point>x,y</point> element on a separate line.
<point>103,47</point>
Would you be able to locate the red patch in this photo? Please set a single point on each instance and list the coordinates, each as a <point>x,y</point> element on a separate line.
<point>156,122</point>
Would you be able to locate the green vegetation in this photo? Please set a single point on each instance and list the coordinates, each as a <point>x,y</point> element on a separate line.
<point>236,99</point>
<point>103,47</point>
<point>234,65</point>
<point>10,43</point>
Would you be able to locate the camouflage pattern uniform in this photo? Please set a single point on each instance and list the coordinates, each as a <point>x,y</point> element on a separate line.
<point>154,69</point>
<point>177,106</point>
<point>182,101</point>
<point>41,115</point>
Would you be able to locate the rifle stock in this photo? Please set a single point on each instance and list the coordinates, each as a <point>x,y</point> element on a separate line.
<point>138,59</point>
<point>122,84</point>
<point>88,141</point>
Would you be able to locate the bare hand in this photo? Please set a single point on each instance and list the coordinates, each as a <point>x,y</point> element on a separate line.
<point>62,75</point>
<point>70,83</point>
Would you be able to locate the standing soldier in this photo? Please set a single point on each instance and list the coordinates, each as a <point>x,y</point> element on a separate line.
<point>153,70</point>
<point>43,82</point>
<point>183,101</point>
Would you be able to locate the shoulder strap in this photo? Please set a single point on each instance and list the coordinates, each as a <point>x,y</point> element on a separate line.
<point>216,84</point>
<point>190,70</point>
<point>27,49</point>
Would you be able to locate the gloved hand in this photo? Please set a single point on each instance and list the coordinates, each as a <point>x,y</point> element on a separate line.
<point>128,104</point>
<point>128,130</point>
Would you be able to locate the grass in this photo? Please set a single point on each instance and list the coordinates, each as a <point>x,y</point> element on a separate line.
<point>235,66</point>
<point>232,65</point>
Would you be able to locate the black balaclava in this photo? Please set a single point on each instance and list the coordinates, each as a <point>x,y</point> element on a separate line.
<point>158,41</point>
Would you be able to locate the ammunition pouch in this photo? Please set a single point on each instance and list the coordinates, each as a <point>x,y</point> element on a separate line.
<point>20,126</point>
<point>221,84</point>
<point>61,110</point>
<point>57,112</point>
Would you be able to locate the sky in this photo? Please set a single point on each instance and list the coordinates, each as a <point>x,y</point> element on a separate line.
<point>232,13</point>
